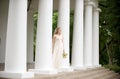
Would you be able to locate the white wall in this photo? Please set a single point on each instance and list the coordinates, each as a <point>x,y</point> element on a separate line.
<point>3,27</point>
<point>30,36</point>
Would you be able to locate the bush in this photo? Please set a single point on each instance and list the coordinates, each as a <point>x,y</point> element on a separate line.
<point>115,68</point>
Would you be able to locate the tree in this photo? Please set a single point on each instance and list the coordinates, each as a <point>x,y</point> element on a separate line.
<point>109,32</point>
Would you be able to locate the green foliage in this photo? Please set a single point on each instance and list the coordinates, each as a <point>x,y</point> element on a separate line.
<point>109,32</point>
<point>35,17</point>
<point>55,19</point>
<point>115,68</point>
<point>71,31</point>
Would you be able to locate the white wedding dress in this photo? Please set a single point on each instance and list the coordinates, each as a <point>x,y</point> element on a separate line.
<point>58,52</point>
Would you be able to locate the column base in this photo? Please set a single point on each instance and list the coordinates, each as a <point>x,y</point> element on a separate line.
<point>98,65</point>
<point>39,71</point>
<point>15,75</point>
<point>79,68</point>
<point>89,67</point>
<point>70,69</point>
<point>95,66</point>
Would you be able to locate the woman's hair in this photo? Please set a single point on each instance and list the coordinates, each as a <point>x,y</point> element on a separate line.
<point>56,30</point>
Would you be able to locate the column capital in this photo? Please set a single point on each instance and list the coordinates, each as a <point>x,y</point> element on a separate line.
<point>90,3</point>
<point>97,9</point>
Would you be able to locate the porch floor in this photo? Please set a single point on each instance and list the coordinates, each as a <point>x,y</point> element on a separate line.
<point>91,73</point>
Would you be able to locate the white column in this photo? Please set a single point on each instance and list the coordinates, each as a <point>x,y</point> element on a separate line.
<point>77,48</point>
<point>30,36</point>
<point>43,60</point>
<point>63,22</point>
<point>88,34</point>
<point>15,58</point>
<point>96,37</point>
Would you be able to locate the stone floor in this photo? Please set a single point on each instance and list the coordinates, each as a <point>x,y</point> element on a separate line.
<point>91,73</point>
<point>96,73</point>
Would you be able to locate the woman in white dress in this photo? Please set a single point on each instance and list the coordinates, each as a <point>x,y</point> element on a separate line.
<point>58,48</point>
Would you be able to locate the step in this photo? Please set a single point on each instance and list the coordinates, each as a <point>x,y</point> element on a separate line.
<point>91,73</point>
<point>102,75</point>
<point>111,76</point>
<point>87,71</point>
<point>68,73</point>
<point>80,75</point>
<point>87,76</point>
<point>118,77</point>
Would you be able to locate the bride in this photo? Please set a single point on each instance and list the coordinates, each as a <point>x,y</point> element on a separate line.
<point>57,48</point>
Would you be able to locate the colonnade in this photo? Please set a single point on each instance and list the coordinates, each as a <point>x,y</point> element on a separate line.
<point>85,49</point>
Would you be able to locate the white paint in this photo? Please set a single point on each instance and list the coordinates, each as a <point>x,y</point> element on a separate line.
<point>95,37</point>
<point>77,48</point>
<point>88,36</point>
<point>64,23</point>
<point>30,36</point>
<point>43,60</point>
<point>3,28</point>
